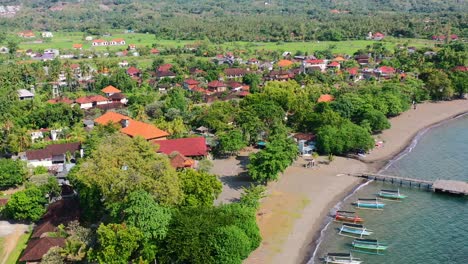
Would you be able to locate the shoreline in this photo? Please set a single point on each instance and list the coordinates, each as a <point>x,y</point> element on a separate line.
<point>304,237</point>
<point>374,166</point>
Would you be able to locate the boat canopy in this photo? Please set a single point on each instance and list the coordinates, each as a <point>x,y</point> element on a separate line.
<point>353,225</point>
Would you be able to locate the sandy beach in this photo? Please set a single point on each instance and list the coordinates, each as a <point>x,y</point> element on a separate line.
<point>294,212</point>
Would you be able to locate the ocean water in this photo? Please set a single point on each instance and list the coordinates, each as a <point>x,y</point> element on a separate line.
<point>426,227</point>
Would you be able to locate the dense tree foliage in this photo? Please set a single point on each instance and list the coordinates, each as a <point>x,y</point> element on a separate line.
<point>12,172</point>
<point>26,205</point>
<point>200,188</point>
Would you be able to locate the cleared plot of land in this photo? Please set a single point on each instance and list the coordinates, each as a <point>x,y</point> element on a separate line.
<point>65,40</point>
<point>14,238</point>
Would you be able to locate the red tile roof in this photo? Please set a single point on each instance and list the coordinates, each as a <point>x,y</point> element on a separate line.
<point>189,147</point>
<point>235,72</point>
<point>165,67</point>
<point>99,41</point>
<point>334,64</point>
<point>460,68</point>
<point>191,82</point>
<point>387,69</point>
<point>180,161</point>
<point>132,71</point>
<point>353,71</point>
<point>325,98</point>
<point>216,84</point>
<point>110,89</point>
<point>91,99</point>
<point>154,51</point>
<point>285,63</point>
<point>315,61</point>
<point>77,46</point>
<point>135,128</point>
<point>379,35</point>
<point>52,150</point>
<point>38,247</point>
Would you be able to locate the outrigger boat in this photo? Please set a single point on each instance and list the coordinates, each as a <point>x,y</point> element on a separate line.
<point>391,194</point>
<point>354,230</point>
<point>369,246</point>
<point>340,258</point>
<point>372,203</point>
<point>347,216</point>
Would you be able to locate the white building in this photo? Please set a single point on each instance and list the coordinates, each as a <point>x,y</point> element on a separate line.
<point>47,34</point>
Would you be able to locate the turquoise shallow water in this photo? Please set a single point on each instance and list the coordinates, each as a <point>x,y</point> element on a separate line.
<point>426,227</point>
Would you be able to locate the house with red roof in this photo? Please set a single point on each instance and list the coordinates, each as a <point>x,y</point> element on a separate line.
<point>99,42</point>
<point>378,36</point>
<point>460,68</point>
<point>189,147</point>
<point>232,73</point>
<point>27,34</point>
<point>385,71</point>
<point>133,72</point>
<point>117,42</point>
<point>78,46</point>
<point>110,90</point>
<point>90,101</point>
<point>217,86</point>
<point>334,65</point>
<point>234,86</point>
<point>325,98</point>
<point>190,83</point>
<point>154,51</point>
<point>309,66</point>
<point>132,127</point>
<point>164,67</point>
<point>179,161</point>
<point>354,73</point>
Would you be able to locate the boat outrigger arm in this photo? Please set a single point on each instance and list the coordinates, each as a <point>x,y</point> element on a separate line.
<point>356,229</point>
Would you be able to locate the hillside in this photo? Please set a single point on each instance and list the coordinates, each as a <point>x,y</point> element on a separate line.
<point>234,20</point>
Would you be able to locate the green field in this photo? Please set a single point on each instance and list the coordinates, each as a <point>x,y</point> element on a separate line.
<point>64,40</point>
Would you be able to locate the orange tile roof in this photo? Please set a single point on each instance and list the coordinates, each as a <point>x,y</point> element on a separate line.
<point>135,128</point>
<point>285,63</point>
<point>77,46</point>
<point>325,98</point>
<point>91,99</point>
<point>110,89</point>
<point>118,40</point>
<point>180,161</point>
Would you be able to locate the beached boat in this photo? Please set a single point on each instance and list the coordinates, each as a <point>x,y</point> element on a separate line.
<point>354,230</point>
<point>372,203</point>
<point>340,258</point>
<point>347,216</point>
<point>369,246</point>
<point>391,194</point>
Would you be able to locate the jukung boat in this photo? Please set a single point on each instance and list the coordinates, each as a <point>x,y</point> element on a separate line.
<point>340,258</point>
<point>391,194</point>
<point>354,230</point>
<point>369,246</point>
<point>347,216</point>
<point>372,203</point>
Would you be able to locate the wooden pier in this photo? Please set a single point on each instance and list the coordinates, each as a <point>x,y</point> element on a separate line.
<point>444,186</point>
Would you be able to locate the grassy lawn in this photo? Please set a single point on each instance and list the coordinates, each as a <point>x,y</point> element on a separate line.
<point>65,40</point>
<point>20,246</point>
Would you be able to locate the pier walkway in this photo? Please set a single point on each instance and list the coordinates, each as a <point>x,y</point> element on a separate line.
<point>444,186</point>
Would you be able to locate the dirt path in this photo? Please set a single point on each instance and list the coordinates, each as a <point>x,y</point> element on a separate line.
<point>11,239</point>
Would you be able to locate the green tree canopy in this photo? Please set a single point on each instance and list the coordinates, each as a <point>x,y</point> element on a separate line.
<point>26,205</point>
<point>200,188</point>
<point>12,172</point>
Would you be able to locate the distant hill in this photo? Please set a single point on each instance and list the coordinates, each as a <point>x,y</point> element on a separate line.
<point>267,20</point>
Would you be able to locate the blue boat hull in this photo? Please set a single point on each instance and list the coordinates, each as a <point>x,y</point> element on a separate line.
<point>370,206</point>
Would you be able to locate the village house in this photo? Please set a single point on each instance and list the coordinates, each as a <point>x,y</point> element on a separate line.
<point>354,74</point>
<point>133,72</point>
<point>280,75</point>
<point>190,84</point>
<point>27,34</point>
<point>232,73</point>
<point>165,74</point>
<point>189,147</point>
<point>234,86</point>
<point>179,161</point>
<point>362,59</point>
<point>325,98</point>
<point>117,42</point>
<point>53,156</point>
<point>334,65</point>
<point>217,86</point>
<point>47,34</point>
<point>110,90</point>
<point>309,66</point>
<point>100,42</point>
<point>115,95</point>
<point>90,101</point>
<point>78,46</point>
<point>60,100</point>
<point>131,47</point>
<point>385,72</point>
<point>132,127</point>
<point>24,94</point>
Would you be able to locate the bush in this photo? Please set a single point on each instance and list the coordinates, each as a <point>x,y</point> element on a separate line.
<point>12,173</point>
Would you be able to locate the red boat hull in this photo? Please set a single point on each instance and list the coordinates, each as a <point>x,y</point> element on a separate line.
<point>349,219</point>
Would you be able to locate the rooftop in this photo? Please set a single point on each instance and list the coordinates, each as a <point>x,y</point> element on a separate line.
<point>189,147</point>
<point>110,89</point>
